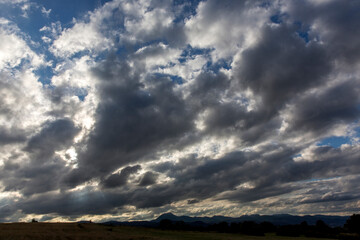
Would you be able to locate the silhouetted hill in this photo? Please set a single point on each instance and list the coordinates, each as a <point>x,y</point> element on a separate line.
<point>134,223</point>
<point>187,219</point>
<point>278,220</point>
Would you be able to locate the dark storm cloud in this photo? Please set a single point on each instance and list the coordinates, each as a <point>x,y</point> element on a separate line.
<point>207,92</point>
<point>54,136</point>
<point>340,21</point>
<point>204,178</point>
<point>192,201</point>
<point>132,121</point>
<point>318,112</point>
<point>207,178</point>
<point>149,178</point>
<point>281,66</point>
<point>224,115</point>
<point>42,170</point>
<point>278,178</point>
<point>6,210</point>
<point>332,198</point>
<point>208,87</point>
<point>257,193</point>
<point>121,178</point>
<point>341,189</point>
<point>9,136</point>
<point>216,176</point>
<point>224,118</point>
<point>187,185</point>
<point>77,203</point>
<point>268,175</point>
<point>30,179</point>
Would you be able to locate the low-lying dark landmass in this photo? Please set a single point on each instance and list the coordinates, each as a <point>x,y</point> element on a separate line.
<point>318,226</point>
<point>169,226</point>
<point>92,231</point>
<point>278,220</point>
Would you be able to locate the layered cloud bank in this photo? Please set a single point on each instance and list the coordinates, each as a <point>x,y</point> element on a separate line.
<point>135,108</point>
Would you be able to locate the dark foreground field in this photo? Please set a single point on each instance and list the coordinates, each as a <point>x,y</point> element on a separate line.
<point>17,231</point>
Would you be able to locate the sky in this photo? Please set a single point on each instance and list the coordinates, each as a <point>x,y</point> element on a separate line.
<point>125,110</point>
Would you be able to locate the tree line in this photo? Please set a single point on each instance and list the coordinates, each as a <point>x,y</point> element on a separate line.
<point>350,231</point>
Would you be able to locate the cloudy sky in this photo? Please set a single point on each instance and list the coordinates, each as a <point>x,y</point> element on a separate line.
<point>129,109</point>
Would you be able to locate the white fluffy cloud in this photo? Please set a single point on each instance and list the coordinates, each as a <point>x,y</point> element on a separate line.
<point>14,49</point>
<point>21,91</point>
<point>82,37</point>
<point>227,27</point>
<point>85,35</point>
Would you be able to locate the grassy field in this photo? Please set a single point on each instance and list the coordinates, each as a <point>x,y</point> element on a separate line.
<point>59,231</point>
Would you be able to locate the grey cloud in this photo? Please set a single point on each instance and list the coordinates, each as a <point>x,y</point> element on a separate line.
<point>318,112</point>
<point>281,66</point>
<point>173,34</point>
<point>203,179</point>
<point>6,211</point>
<point>338,26</point>
<point>30,179</point>
<point>208,88</point>
<point>149,178</point>
<point>120,179</point>
<point>151,51</point>
<point>228,117</point>
<point>270,176</point>
<point>208,179</point>
<point>327,165</point>
<point>9,136</point>
<point>250,195</point>
<point>54,136</point>
<point>331,198</point>
<point>60,92</point>
<point>277,71</point>
<point>132,121</point>
<point>192,201</point>
<point>77,203</point>
<point>163,167</point>
<point>76,176</point>
<point>37,169</point>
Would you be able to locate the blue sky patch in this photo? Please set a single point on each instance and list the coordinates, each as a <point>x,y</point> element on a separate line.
<point>188,9</point>
<point>191,52</point>
<point>218,65</point>
<point>302,31</point>
<point>175,79</point>
<point>334,141</point>
<point>66,10</point>
<point>45,74</point>
<point>276,19</point>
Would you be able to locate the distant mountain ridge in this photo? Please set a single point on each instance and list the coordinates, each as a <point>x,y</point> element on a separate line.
<point>277,219</point>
